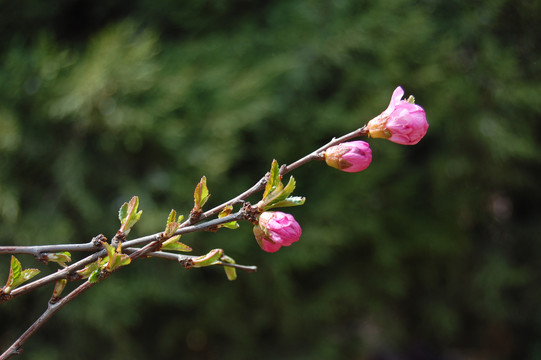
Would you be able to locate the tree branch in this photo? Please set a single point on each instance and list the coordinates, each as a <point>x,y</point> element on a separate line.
<point>152,244</point>
<point>52,308</point>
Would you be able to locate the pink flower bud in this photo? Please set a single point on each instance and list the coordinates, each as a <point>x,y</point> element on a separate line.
<point>353,156</point>
<point>276,229</point>
<point>403,122</point>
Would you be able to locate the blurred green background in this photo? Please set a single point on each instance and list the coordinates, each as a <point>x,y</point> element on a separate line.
<point>431,253</point>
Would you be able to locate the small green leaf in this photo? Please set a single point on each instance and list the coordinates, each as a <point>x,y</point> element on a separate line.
<point>123,213</point>
<point>278,194</point>
<point>274,179</point>
<point>289,187</point>
<point>109,248</point>
<point>89,269</point>
<point>120,260</point>
<point>230,271</point>
<point>128,215</point>
<point>17,276</point>
<point>233,225</point>
<point>227,211</point>
<point>15,270</point>
<point>172,224</point>
<point>27,274</point>
<point>201,194</point>
<point>280,197</point>
<point>94,277</point>
<point>116,258</point>
<point>209,259</point>
<point>290,201</point>
<point>58,288</point>
<point>175,245</point>
<point>60,257</point>
<point>172,216</point>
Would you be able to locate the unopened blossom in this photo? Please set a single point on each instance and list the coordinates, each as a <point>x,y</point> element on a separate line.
<point>353,156</point>
<point>276,229</point>
<point>403,122</point>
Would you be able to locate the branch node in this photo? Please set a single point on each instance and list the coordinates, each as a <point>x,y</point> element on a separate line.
<point>4,296</point>
<point>96,240</point>
<point>118,238</point>
<point>195,215</point>
<point>187,263</point>
<point>42,258</point>
<point>250,213</point>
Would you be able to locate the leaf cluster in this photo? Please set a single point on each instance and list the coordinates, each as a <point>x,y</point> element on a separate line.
<point>276,194</point>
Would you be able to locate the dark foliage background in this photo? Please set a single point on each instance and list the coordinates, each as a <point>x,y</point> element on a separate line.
<point>432,253</point>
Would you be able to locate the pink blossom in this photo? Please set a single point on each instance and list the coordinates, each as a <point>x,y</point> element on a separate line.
<point>353,156</point>
<point>276,229</point>
<point>403,122</point>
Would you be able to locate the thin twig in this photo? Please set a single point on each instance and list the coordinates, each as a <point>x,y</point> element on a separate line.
<point>36,250</point>
<point>315,155</point>
<point>15,348</point>
<point>188,229</point>
<point>67,271</point>
<point>183,258</point>
<point>60,274</point>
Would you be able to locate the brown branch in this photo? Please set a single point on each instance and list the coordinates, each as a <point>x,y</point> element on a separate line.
<point>15,348</point>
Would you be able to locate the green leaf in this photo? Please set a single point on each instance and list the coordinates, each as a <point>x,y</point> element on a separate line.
<point>230,271</point>
<point>15,270</point>
<point>175,245</point>
<point>90,269</point>
<point>172,223</point>
<point>289,187</point>
<point>279,197</point>
<point>123,213</point>
<point>120,260</point>
<point>109,248</point>
<point>27,274</point>
<point>201,194</point>
<point>17,276</point>
<point>128,215</point>
<point>274,179</point>
<point>172,216</point>
<point>116,258</point>
<point>58,288</point>
<point>278,194</point>
<point>60,257</point>
<point>227,211</point>
<point>290,201</point>
<point>94,276</point>
<point>233,225</point>
<point>211,258</point>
